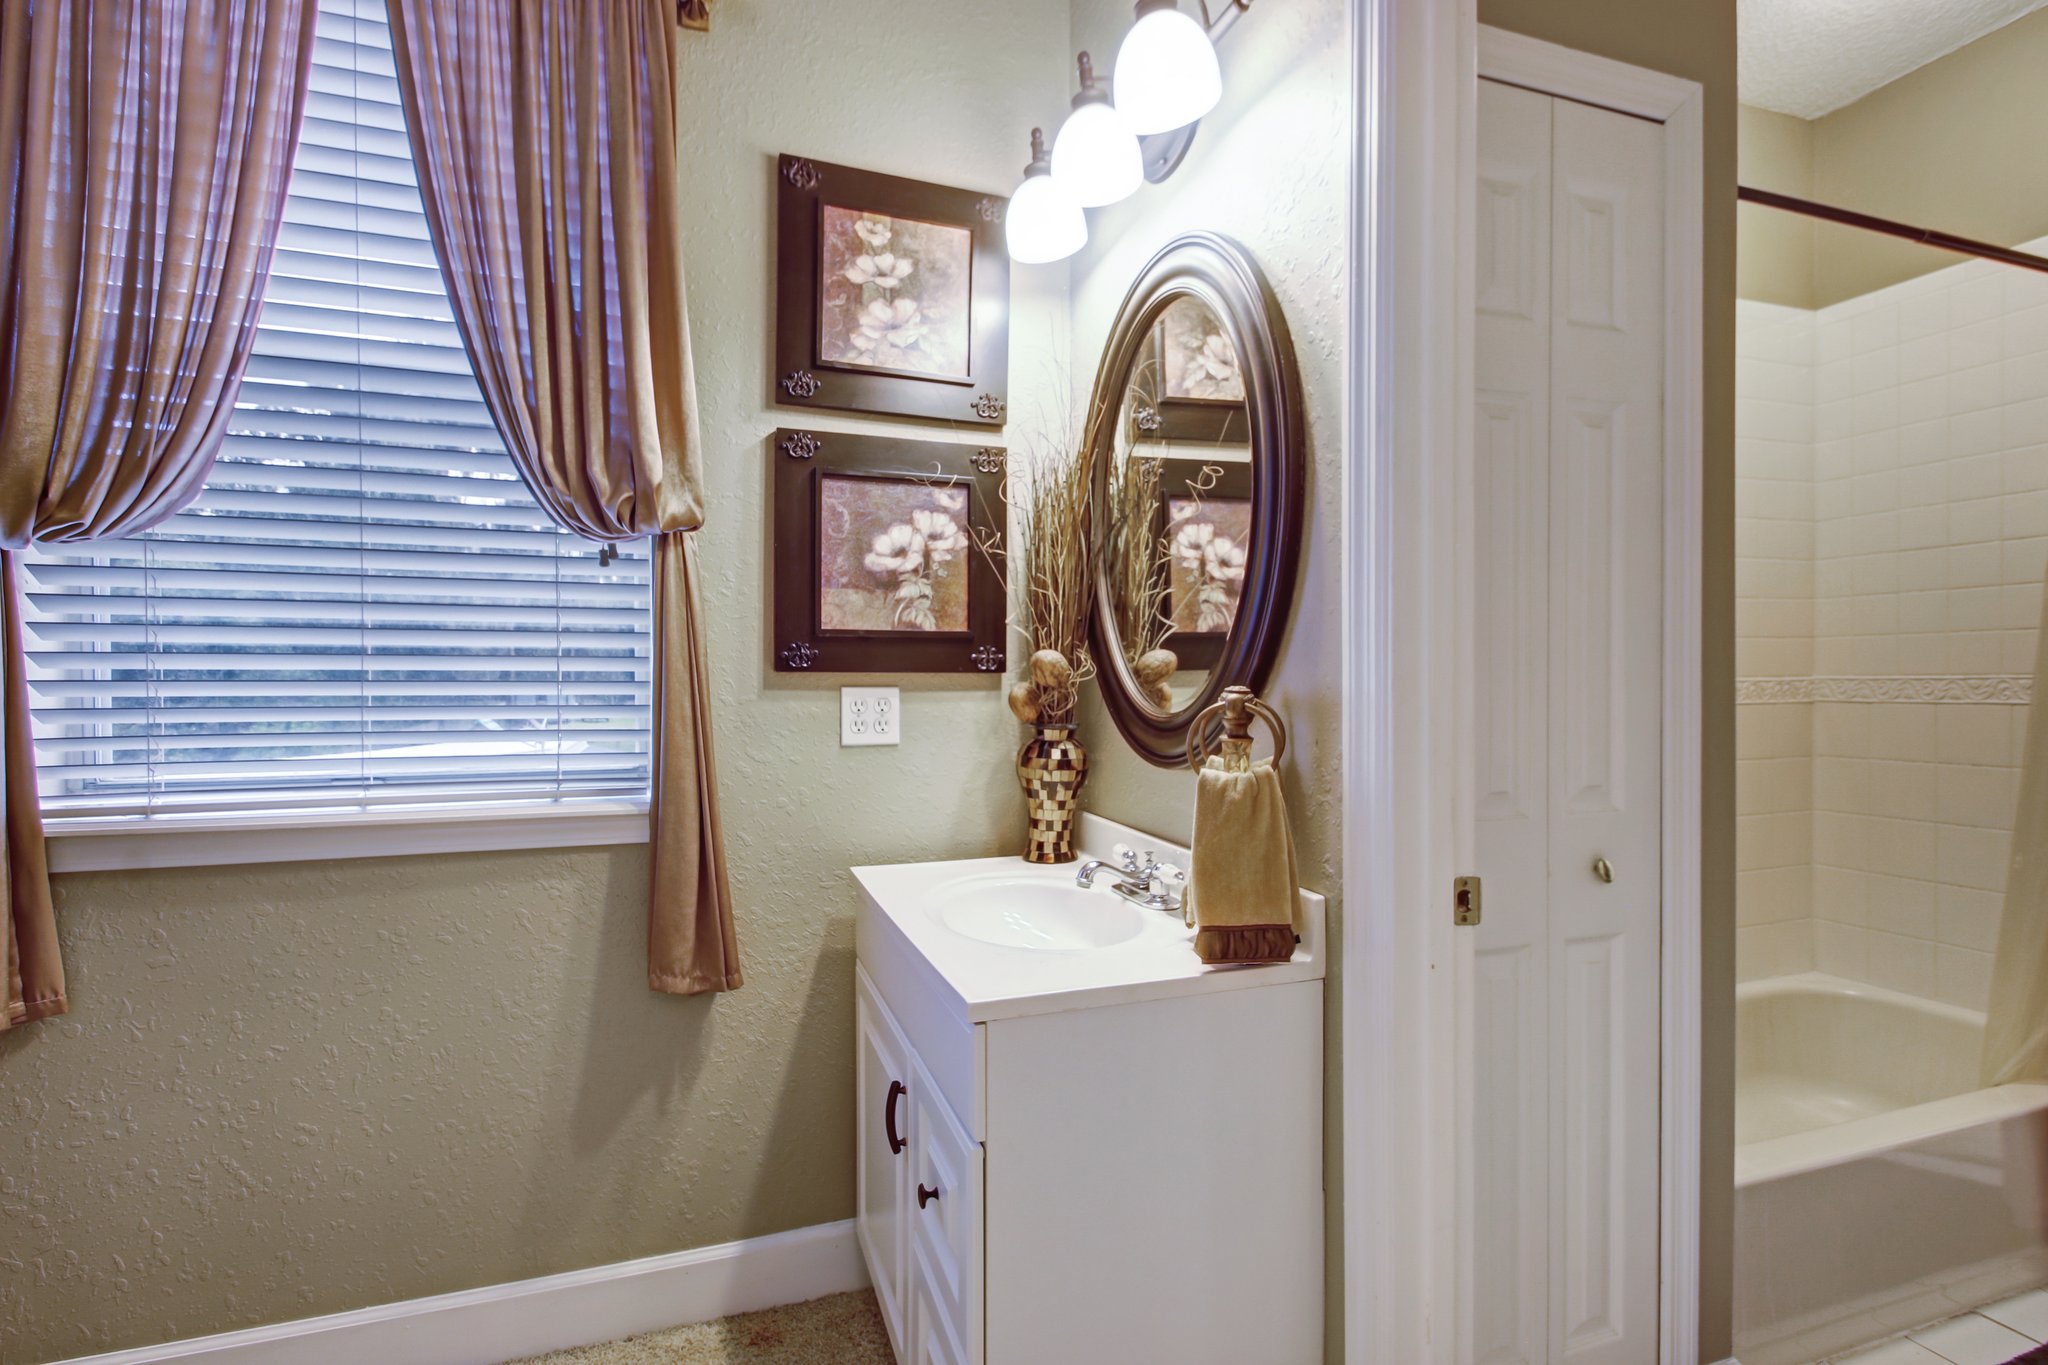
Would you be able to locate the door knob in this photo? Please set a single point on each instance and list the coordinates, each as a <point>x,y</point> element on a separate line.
<point>1603,869</point>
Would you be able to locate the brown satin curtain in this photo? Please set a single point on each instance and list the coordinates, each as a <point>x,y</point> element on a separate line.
<point>147,147</point>
<point>543,133</point>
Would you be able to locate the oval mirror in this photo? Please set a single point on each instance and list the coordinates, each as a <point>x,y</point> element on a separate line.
<point>1195,443</point>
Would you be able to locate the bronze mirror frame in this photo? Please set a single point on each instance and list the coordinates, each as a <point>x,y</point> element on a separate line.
<point>1222,275</point>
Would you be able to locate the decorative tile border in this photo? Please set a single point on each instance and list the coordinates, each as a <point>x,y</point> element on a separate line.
<point>1994,690</point>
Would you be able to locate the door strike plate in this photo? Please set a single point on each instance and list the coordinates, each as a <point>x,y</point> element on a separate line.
<point>1465,899</point>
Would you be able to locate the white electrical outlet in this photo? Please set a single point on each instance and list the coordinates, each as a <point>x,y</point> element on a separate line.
<point>870,715</point>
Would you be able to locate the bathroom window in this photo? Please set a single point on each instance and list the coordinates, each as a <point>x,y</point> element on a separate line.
<point>366,605</point>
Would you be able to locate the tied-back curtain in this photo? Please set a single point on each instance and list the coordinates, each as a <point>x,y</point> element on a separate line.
<point>147,145</point>
<point>2016,1023</point>
<point>543,136</point>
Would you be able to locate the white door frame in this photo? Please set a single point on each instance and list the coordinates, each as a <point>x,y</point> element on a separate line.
<point>1408,622</point>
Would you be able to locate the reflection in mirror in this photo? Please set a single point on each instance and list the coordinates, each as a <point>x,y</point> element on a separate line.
<point>1178,532</point>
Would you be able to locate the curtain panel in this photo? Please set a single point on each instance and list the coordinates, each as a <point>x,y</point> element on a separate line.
<point>543,133</point>
<point>147,147</point>
<point>2016,1018</point>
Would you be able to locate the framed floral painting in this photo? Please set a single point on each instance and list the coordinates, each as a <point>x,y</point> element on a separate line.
<point>892,295</point>
<point>886,555</point>
<point>1205,526</point>
<point>1195,389</point>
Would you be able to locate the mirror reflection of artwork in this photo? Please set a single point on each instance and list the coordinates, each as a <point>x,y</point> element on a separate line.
<point>895,293</point>
<point>1196,359</point>
<point>892,556</point>
<point>1186,386</point>
<point>1208,539</point>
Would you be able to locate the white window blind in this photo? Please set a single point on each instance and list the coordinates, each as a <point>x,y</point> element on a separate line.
<point>365,604</point>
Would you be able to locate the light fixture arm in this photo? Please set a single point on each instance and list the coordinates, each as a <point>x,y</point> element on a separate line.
<point>1218,23</point>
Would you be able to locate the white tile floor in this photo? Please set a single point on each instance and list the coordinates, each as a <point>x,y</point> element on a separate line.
<point>1989,1336</point>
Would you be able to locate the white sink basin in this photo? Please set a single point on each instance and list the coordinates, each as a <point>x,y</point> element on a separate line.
<point>1034,912</point>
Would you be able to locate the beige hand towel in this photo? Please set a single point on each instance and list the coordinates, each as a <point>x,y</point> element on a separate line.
<point>1241,888</point>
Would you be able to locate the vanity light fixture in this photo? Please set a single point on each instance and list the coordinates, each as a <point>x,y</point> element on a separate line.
<point>1166,71</point>
<point>1166,80</point>
<point>1096,154</point>
<point>1044,222</point>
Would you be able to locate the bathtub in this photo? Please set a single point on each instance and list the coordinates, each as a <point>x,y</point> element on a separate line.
<point>1877,1187</point>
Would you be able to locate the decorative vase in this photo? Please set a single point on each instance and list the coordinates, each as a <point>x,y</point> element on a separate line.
<point>1052,766</point>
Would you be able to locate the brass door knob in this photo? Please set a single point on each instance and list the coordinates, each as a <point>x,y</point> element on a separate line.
<point>1604,870</point>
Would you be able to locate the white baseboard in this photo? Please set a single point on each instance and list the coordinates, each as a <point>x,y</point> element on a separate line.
<point>577,1308</point>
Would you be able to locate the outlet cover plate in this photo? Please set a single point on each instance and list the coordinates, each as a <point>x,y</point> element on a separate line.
<point>870,715</point>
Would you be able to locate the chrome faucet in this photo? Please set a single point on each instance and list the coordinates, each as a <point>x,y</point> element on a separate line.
<point>1150,884</point>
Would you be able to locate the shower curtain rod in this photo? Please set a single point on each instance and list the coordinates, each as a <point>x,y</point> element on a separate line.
<point>1940,241</point>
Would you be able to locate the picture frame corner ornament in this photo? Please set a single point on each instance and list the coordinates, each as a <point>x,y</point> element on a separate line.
<point>991,208</point>
<point>802,173</point>
<point>801,384</point>
<point>801,445</point>
<point>989,459</point>
<point>989,659</point>
<point>799,654</point>
<point>988,407</point>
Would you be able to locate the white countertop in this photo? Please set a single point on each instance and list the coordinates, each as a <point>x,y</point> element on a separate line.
<point>986,981</point>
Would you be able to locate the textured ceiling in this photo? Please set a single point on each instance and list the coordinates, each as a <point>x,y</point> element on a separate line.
<point>1811,57</point>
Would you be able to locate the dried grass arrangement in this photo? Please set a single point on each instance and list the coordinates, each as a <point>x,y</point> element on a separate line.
<point>1139,559</point>
<point>1047,491</point>
<point>1135,555</point>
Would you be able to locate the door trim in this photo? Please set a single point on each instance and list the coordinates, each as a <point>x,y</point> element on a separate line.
<point>1407,630</point>
<point>1405,426</point>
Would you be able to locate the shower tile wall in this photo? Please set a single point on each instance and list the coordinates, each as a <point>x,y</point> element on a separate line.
<point>1774,636</point>
<point>1928,524</point>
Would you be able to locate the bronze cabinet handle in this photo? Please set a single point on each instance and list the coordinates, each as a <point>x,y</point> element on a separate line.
<point>925,1195</point>
<point>896,1144</point>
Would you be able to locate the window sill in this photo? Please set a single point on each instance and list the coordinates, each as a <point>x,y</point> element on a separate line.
<point>111,843</point>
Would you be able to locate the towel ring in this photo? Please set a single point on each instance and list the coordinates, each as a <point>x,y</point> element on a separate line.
<point>1238,707</point>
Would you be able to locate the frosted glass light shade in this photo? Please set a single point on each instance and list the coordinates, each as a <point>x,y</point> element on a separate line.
<point>1043,223</point>
<point>1166,73</point>
<point>1096,156</point>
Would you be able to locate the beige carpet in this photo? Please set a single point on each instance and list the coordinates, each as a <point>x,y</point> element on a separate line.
<point>844,1329</point>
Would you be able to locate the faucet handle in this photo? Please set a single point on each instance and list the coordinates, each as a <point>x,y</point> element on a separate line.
<point>1167,872</point>
<point>1126,855</point>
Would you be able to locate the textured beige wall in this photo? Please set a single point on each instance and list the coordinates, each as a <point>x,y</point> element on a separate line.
<point>1269,168</point>
<point>1773,248</point>
<point>1955,145</point>
<point>1696,39</point>
<point>299,1088</point>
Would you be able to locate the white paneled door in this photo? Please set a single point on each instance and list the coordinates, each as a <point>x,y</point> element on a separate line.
<point>1561,1190</point>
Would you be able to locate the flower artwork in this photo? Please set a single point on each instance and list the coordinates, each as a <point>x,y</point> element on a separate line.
<point>1196,359</point>
<point>894,294</point>
<point>893,555</point>
<point>891,297</point>
<point>1209,539</point>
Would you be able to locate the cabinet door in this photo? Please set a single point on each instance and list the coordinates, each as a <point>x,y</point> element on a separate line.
<point>932,1336</point>
<point>946,1217</point>
<point>882,1145</point>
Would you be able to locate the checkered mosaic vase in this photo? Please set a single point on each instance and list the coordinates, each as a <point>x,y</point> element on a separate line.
<point>1052,767</point>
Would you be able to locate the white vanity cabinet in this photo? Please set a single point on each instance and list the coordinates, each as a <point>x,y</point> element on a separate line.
<point>1106,1155</point>
<point>919,1192</point>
